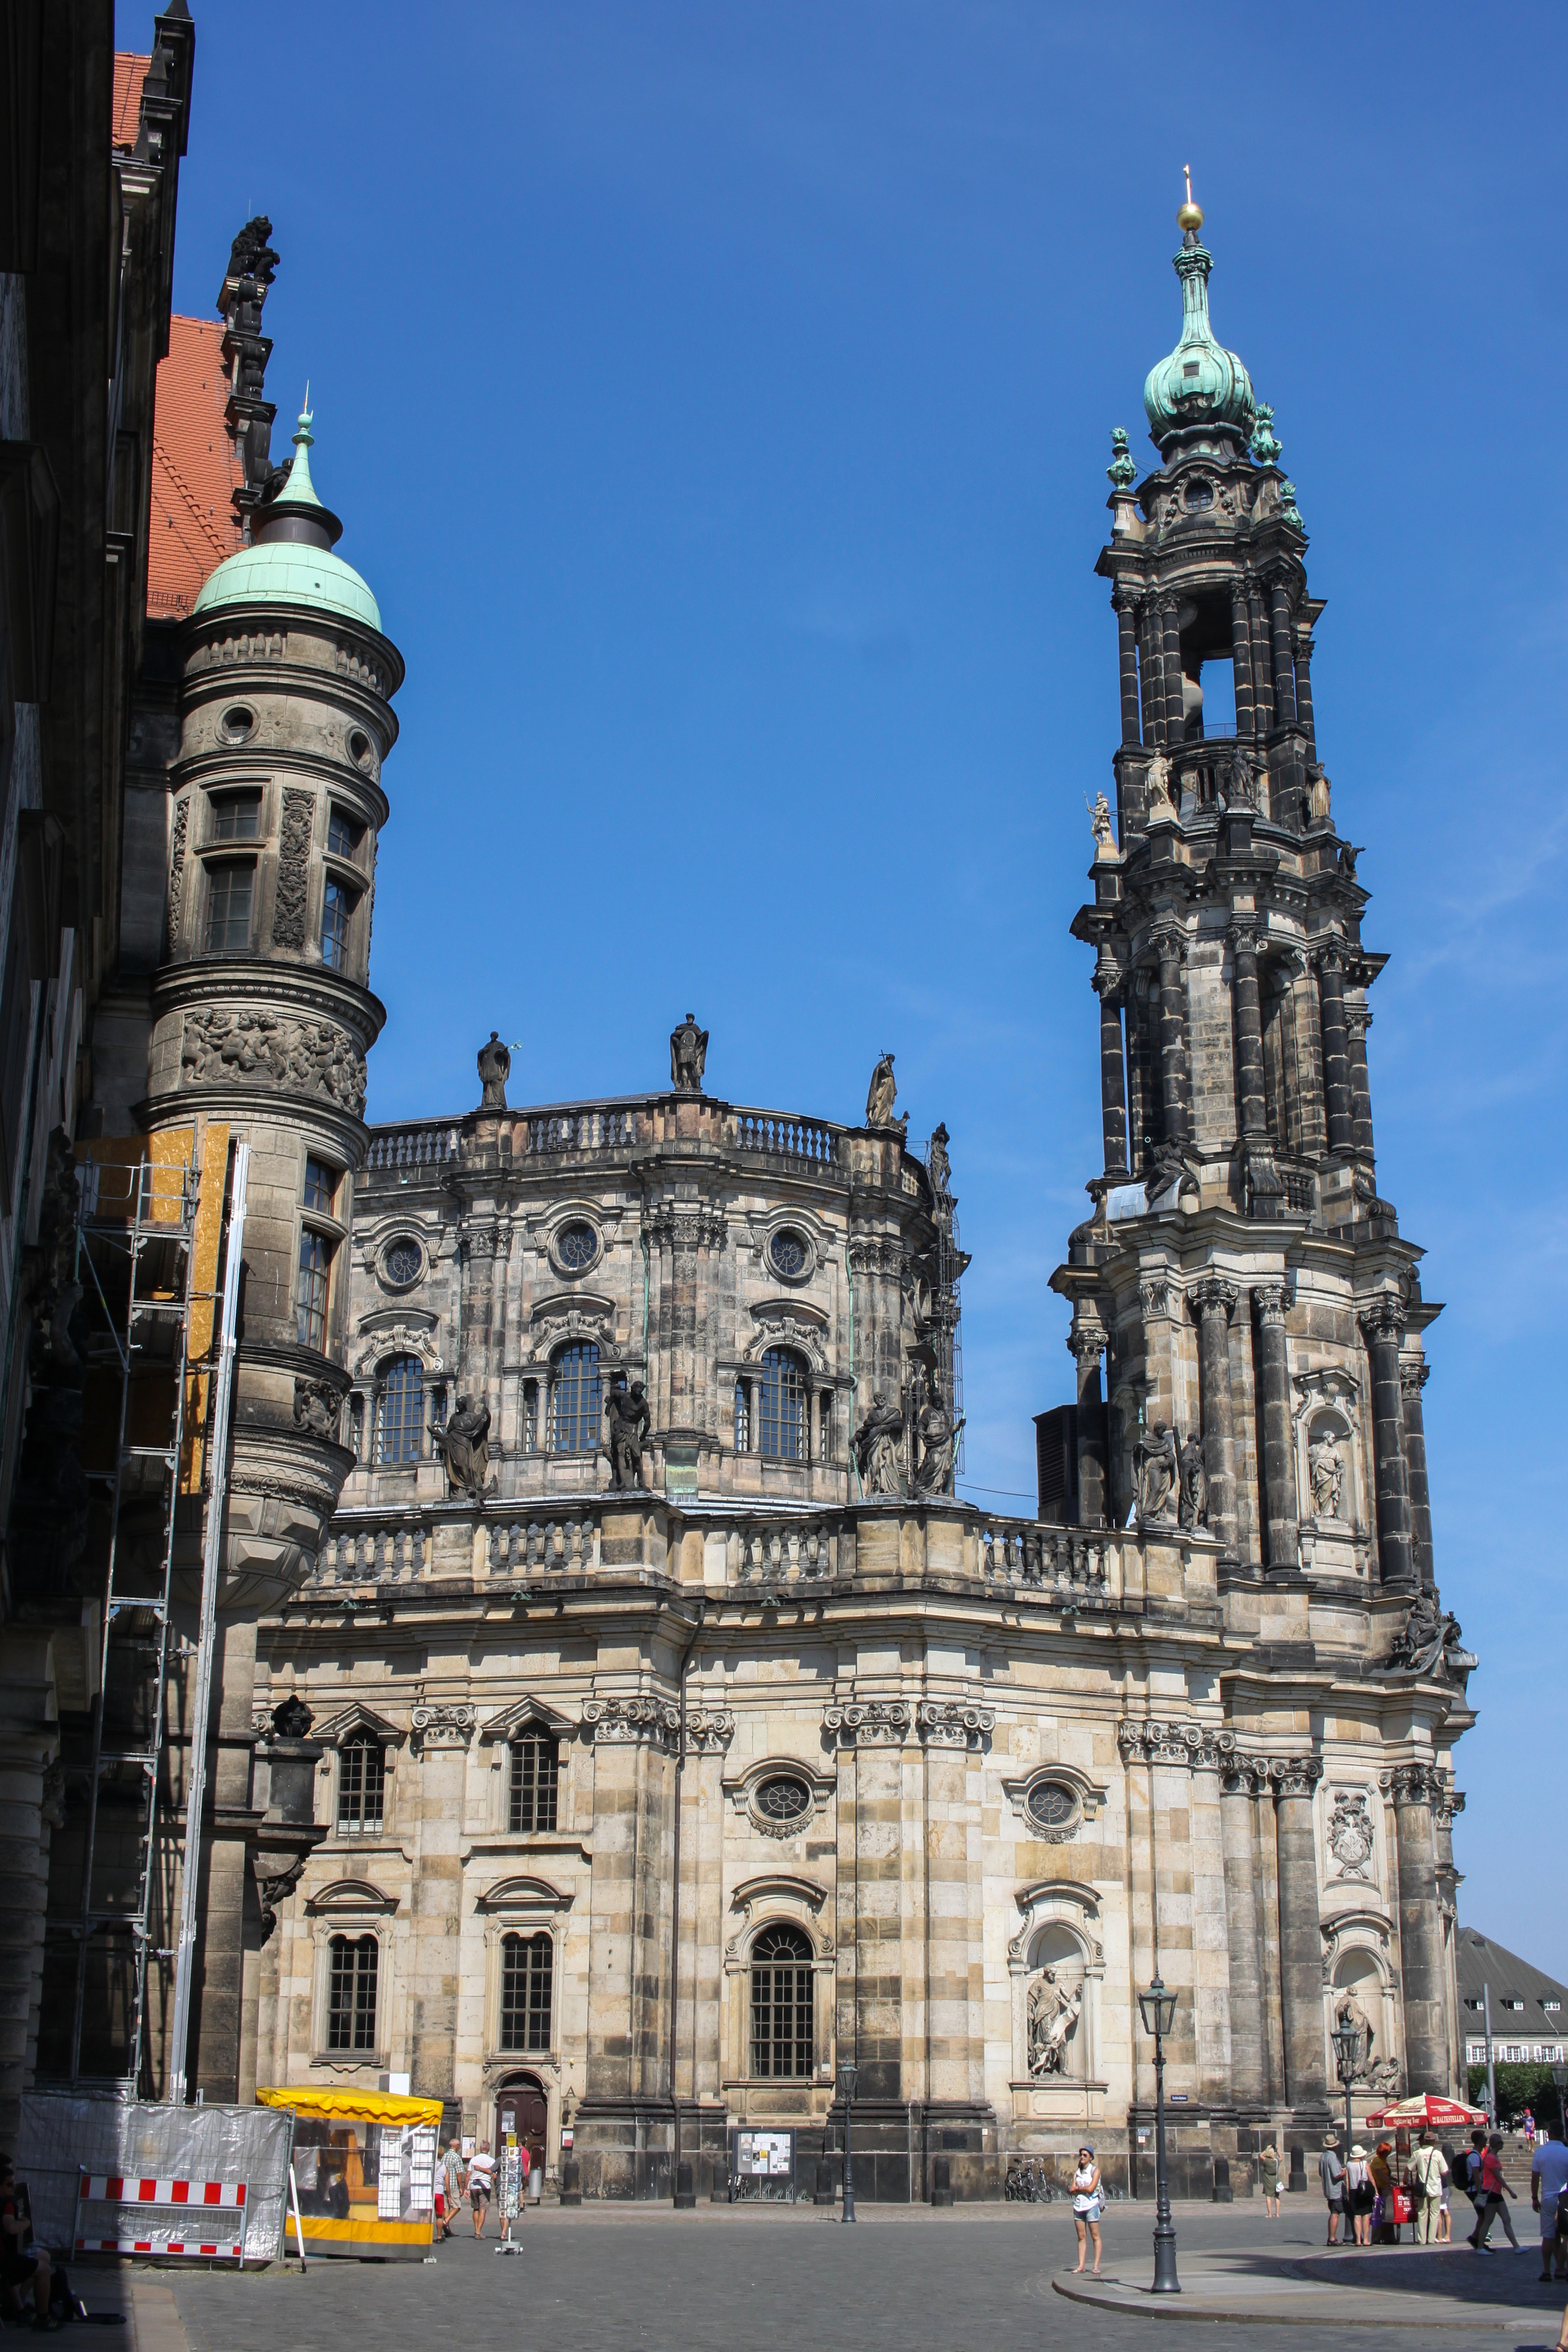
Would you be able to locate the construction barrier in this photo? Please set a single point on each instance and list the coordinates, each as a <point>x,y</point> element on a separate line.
<point>154,2217</point>
<point>66,2133</point>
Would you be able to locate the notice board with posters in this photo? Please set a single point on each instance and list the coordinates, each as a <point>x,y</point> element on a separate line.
<point>761,2166</point>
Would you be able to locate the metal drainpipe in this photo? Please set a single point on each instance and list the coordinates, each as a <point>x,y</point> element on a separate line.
<point>675,1891</point>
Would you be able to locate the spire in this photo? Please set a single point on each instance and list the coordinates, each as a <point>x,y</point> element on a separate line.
<point>296,513</point>
<point>300,489</point>
<point>1200,383</point>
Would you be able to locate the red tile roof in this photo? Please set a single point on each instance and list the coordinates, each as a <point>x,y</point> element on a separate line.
<point>195,467</point>
<point>129,70</point>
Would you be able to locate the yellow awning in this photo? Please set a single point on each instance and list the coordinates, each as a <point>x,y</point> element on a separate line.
<point>355,2106</point>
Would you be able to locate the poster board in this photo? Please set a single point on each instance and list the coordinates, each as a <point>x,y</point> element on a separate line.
<point>762,2166</point>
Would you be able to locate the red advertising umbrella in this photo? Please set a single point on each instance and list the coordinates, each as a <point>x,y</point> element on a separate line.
<point>1428,2112</point>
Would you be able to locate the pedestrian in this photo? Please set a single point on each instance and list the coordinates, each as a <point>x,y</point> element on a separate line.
<point>482,2184</point>
<point>1429,2171</point>
<point>24,2263</point>
<point>1527,2126</point>
<point>1495,2190</point>
<point>1269,2181</point>
<point>1445,2212</point>
<point>1548,2182</point>
<point>1385,2228</point>
<point>451,2184</point>
<point>1360,2194</point>
<point>1331,2173</point>
<point>1468,2173</point>
<point>1086,2206</point>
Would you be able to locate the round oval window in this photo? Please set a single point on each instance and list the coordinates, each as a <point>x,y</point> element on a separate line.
<point>782,1798</point>
<point>1051,1806</point>
<point>1197,495</point>
<point>404,1260</point>
<point>786,1253</point>
<point>237,723</point>
<point>359,749</point>
<point>576,1246</point>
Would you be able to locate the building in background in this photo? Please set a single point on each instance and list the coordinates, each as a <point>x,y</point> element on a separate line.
<point>1529,2010</point>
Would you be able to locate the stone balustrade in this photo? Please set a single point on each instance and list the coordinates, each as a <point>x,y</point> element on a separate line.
<point>405,1150</point>
<point>1074,1563</point>
<point>387,1550</point>
<point>581,1134</point>
<point>808,1143</point>
<point>760,1552</point>
<point>535,1544</point>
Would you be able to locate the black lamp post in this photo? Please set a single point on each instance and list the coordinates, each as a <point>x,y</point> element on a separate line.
<point>1159,2008</point>
<point>1560,2076</point>
<point>848,2075</point>
<point>1346,2038</point>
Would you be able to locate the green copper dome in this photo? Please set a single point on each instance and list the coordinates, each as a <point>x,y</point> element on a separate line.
<point>291,560</point>
<point>1200,382</point>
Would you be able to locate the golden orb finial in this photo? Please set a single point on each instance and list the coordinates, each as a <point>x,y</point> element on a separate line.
<point>1191,214</point>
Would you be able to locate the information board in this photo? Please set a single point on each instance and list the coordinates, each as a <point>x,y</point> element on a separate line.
<point>762,2165</point>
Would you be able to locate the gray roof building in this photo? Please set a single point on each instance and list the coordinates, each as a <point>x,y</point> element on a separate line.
<point>1528,2009</point>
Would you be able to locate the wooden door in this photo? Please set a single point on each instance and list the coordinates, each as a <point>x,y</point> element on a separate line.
<point>520,2109</point>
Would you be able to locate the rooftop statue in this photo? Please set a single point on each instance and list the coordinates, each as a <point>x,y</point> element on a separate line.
<point>251,255</point>
<point>938,1162</point>
<point>464,1446</point>
<point>1159,1471</point>
<point>1101,828</point>
<point>495,1068</point>
<point>939,1435</point>
<point>882,1093</point>
<point>628,1416</point>
<point>688,1055</point>
<point>877,1446</point>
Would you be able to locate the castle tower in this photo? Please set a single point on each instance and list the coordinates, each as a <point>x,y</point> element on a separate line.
<point>262,1020</point>
<point>1258,1313</point>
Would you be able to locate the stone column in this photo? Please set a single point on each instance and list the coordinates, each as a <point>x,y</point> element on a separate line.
<point>1112,1072</point>
<point>1087,1343</point>
<point>1171,665</point>
<point>479,1247</point>
<point>1358,1020</point>
<point>1415,1788</point>
<point>1270,1302</point>
<point>877,1264</point>
<point>1262,666</point>
<point>1150,694</point>
<point>1284,669</point>
<point>1293,1779</point>
<point>1127,653</point>
<point>1249,2061</point>
<point>1304,687</point>
<point>1175,1081</point>
<point>1241,661</point>
<point>1336,1049</point>
<point>1413,1375</point>
<point>439,1756</point>
<point>1251,1095</point>
<point>230,1917</point>
<point>1383,1328</point>
<point>1212,2010</point>
<point>1214,1301</point>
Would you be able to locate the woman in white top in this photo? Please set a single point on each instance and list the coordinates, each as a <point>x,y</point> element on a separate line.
<point>1086,2204</point>
<point>482,2184</point>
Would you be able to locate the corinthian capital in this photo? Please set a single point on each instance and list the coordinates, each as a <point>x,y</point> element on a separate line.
<point>1271,1301</point>
<point>1213,1294</point>
<point>1385,1319</point>
<point>1413,1374</point>
<point>1416,1783</point>
<point>1294,1776</point>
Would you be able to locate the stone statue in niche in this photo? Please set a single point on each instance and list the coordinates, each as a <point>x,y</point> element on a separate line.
<point>1350,1833</point>
<point>688,1055</point>
<point>940,1170</point>
<point>1348,2010</point>
<point>1326,1473</point>
<point>1429,1642</point>
<point>877,1448</point>
<point>882,1093</point>
<point>1243,779</point>
<point>464,1446</point>
<point>938,1434</point>
<point>1101,828</point>
<point>1053,2015</point>
<point>1318,798</point>
<point>1193,1507</point>
<point>627,1414</point>
<point>1158,1471</point>
<point>495,1068</point>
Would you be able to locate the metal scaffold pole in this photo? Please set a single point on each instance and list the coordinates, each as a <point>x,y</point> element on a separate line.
<point>212,1562</point>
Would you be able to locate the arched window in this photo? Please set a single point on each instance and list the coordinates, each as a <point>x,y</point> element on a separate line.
<point>783,2017</point>
<point>527,1981</point>
<point>785,1408</point>
<point>362,1785</point>
<point>531,1790</point>
<point>400,1423</point>
<point>351,1993</point>
<point>577,1399</point>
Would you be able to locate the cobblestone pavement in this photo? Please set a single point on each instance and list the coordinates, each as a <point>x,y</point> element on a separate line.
<point>651,2280</point>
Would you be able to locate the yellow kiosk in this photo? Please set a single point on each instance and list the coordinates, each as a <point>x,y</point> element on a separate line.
<point>364,2171</point>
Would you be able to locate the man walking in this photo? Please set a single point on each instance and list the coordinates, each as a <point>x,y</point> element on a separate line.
<point>1548,2182</point>
<point>1495,2192</point>
<point>451,2185</point>
<point>1331,2173</point>
<point>1428,2170</point>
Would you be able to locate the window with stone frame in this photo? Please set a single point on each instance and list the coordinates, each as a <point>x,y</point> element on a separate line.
<point>338,904</point>
<point>783,1407</point>
<point>230,887</point>
<point>531,1416</point>
<point>532,1781</point>
<point>400,1411</point>
<point>352,1968</point>
<point>783,2005</point>
<point>314,1291</point>
<point>577,1399</point>
<point>527,1988</point>
<point>362,1785</point>
<point>742,1420</point>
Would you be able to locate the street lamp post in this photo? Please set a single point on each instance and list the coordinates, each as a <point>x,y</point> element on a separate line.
<point>1159,2008</point>
<point>1560,2076</point>
<point>1346,2038</point>
<point>849,2073</point>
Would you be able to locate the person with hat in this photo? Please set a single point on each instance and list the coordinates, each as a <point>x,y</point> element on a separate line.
<point>1331,2173</point>
<point>1269,2180</point>
<point>1360,2194</point>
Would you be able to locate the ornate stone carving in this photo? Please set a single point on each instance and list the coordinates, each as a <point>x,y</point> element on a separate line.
<point>177,872</point>
<point>1157,1465</point>
<point>1446,1803</point>
<point>1413,1374</point>
<point>318,1406</point>
<point>622,1722</point>
<point>494,1068</point>
<point>1155,1296</point>
<point>447,1726</point>
<point>1294,1776</point>
<point>1145,1740</point>
<point>688,1056</point>
<point>781,1328</point>
<point>1193,1509</point>
<point>686,1228</point>
<point>881,1094</point>
<point>291,1719</point>
<point>1351,1837</point>
<point>292,900</point>
<point>1385,1319</point>
<point>709,1730</point>
<point>877,1444</point>
<point>867,1722</point>
<point>464,1446</point>
<point>1271,1301</point>
<point>1213,1294</point>
<point>397,1340</point>
<point>628,1413</point>
<point>269,1049</point>
<point>869,1254</point>
<point>1052,2015</point>
<point>1415,1783</point>
<point>273,1889</point>
<point>1428,1644</point>
<point>955,1722</point>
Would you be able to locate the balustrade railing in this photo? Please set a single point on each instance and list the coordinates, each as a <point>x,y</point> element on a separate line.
<point>1064,1560</point>
<point>537,1543</point>
<point>538,1134</point>
<point>390,1551</point>
<point>805,1550</point>
<point>395,1150</point>
<point>805,1142</point>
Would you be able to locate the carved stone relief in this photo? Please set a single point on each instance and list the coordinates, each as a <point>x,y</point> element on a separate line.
<point>177,871</point>
<point>1351,1839</point>
<point>291,902</point>
<point>269,1049</point>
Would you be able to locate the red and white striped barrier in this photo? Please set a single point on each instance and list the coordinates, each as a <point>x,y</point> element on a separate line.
<point>173,2197</point>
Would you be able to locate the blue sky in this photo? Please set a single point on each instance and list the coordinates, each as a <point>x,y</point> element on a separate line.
<point>718,397</point>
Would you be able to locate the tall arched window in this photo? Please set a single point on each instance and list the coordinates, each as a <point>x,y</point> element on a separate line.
<point>400,1420</point>
<point>785,1408</point>
<point>351,1993</point>
<point>362,1785</point>
<point>532,1784</point>
<point>783,2018</point>
<point>577,1399</point>
<point>527,1981</point>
